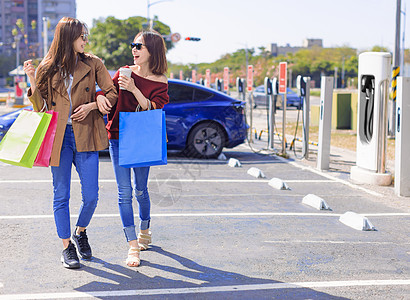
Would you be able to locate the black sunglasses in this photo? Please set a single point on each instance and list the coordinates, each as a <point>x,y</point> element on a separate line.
<point>84,36</point>
<point>138,46</point>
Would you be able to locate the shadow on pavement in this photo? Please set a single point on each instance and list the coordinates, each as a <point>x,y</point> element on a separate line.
<point>121,278</point>
<point>245,157</point>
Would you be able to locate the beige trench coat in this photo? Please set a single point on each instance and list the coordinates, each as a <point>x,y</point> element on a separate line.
<point>90,134</point>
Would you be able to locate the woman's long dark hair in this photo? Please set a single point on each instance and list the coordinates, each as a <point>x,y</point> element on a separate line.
<point>156,47</point>
<point>61,57</point>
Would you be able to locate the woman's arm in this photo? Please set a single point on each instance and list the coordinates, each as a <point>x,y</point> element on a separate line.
<point>33,93</point>
<point>31,74</point>
<point>106,84</point>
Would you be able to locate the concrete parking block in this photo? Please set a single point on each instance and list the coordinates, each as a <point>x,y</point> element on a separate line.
<point>356,221</point>
<point>234,163</point>
<point>278,184</point>
<point>315,202</point>
<point>255,172</point>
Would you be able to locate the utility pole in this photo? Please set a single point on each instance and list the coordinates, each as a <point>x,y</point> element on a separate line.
<point>397,40</point>
<point>403,44</point>
<point>396,64</point>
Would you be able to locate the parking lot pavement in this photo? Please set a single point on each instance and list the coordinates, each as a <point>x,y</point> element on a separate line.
<point>218,233</point>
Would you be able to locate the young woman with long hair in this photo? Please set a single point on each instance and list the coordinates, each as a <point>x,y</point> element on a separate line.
<point>65,82</point>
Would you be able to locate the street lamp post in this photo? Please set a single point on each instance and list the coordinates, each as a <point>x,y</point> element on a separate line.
<point>17,41</point>
<point>45,38</point>
<point>343,73</point>
<point>148,6</point>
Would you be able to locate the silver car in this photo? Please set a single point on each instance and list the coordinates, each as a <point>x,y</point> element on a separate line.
<point>260,99</point>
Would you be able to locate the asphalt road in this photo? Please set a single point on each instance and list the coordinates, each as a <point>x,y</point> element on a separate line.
<point>218,233</point>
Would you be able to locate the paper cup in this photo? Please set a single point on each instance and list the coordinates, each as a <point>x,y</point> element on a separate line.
<point>125,72</point>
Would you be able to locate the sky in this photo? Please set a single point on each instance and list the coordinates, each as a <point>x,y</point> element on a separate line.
<point>225,26</point>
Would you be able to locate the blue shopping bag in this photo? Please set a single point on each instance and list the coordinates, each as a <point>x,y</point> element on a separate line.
<point>142,141</point>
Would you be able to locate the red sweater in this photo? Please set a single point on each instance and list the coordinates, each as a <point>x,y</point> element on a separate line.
<point>155,91</point>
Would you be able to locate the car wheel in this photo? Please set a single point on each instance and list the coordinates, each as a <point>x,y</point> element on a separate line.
<point>206,140</point>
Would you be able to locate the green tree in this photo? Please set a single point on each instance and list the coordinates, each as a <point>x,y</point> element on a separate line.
<point>110,39</point>
<point>318,61</point>
<point>379,49</point>
<point>314,62</point>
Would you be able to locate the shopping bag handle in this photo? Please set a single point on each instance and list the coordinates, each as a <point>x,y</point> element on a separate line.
<point>44,108</point>
<point>139,106</point>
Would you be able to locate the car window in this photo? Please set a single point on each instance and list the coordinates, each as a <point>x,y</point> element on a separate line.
<point>180,93</point>
<point>201,95</point>
<point>260,89</point>
<point>289,91</point>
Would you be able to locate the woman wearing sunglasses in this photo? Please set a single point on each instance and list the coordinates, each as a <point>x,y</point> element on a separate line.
<point>147,87</point>
<point>65,82</point>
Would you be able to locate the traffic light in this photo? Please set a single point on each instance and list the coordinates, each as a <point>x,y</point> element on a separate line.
<point>195,39</point>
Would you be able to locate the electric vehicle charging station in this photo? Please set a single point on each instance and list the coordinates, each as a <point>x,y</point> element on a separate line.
<point>275,92</point>
<point>402,163</point>
<point>303,87</point>
<point>325,122</point>
<point>374,78</point>
<point>240,82</point>
<point>271,112</point>
<point>218,84</point>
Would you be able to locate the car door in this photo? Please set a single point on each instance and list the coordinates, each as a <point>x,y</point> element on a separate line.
<point>175,111</point>
<point>187,105</point>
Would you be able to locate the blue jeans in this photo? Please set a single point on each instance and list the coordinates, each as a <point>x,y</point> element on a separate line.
<point>123,177</point>
<point>86,164</point>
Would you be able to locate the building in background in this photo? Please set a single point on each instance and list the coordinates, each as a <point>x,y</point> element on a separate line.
<point>276,50</point>
<point>309,43</point>
<point>31,12</point>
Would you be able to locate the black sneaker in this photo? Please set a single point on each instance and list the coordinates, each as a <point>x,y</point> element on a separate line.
<point>69,257</point>
<point>82,244</point>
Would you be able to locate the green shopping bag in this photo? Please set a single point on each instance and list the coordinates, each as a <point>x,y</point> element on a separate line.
<point>22,141</point>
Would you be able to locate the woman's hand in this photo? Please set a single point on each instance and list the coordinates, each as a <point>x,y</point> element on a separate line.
<point>29,69</point>
<point>82,111</point>
<point>129,85</point>
<point>126,83</point>
<point>103,104</point>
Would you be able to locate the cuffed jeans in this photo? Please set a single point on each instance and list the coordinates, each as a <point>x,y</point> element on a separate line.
<point>86,164</point>
<point>123,177</point>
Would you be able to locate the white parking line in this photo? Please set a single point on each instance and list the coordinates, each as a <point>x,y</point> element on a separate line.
<point>333,242</point>
<point>385,214</point>
<point>177,180</point>
<point>27,181</point>
<point>250,214</point>
<point>199,215</point>
<point>209,289</point>
<point>354,186</point>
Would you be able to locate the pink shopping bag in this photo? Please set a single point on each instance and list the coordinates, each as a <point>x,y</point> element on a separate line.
<point>44,154</point>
